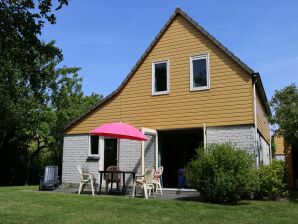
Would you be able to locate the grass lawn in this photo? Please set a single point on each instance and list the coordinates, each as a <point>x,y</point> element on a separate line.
<point>20,205</point>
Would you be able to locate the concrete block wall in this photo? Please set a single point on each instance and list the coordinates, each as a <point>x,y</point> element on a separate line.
<point>242,136</point>
<point>150,151</point>
<point>265,151</point>
<point>75,152</point>
<point>129,157</point>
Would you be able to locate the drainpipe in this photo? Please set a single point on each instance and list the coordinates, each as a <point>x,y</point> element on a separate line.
<point>204,135</point>
<point>255,119</point>
<point>270,145</point>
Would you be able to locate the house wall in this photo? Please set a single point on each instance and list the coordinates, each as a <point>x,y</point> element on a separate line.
<point>265,151</point>
<point>75,152</point>
<point>262,119</point>
<point>242,136</point>
<point>129,157</point>
<point>283,152</point>
<point>227,102</point>
<point>150,151</point>
<point>279,145</point>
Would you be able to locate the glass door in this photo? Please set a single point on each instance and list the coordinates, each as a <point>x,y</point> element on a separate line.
<point>110,152</point>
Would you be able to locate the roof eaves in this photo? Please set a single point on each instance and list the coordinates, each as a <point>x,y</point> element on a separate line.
<point>261,90</point>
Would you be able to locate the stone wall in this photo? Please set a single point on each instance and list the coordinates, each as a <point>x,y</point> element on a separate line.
<point>265,151</point>
<point>242,136</point>
<point>75,152</point>
<point>150,151</point>
<point>129,157</point>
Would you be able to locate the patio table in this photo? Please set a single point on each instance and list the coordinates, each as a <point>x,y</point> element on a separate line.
<point>123,173</point>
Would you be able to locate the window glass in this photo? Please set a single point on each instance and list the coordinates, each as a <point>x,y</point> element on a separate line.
<point>94,144</point>
<point>199,72</point>
<point>160,77</point>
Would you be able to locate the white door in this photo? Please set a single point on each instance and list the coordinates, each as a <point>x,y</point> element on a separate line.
<point>149,149</point>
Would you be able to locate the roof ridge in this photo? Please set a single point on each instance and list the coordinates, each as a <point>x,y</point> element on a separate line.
<point>214,40</point>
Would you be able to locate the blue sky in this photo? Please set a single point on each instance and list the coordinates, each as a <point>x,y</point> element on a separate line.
<point>106,38</point>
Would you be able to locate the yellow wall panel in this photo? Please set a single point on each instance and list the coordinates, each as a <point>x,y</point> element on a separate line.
<point>227,102</point>
<point>262,119</point>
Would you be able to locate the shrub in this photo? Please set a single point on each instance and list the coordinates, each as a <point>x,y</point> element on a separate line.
<point>222,173</point>
<point>272,179</point>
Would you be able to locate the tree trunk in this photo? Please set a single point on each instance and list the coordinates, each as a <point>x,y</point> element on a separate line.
<point>28,171</point>
<point>29,162</point>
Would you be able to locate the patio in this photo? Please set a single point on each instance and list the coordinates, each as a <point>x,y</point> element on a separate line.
<point>184,194</point>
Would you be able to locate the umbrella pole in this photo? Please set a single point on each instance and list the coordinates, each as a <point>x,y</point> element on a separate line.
<point>142,157</point>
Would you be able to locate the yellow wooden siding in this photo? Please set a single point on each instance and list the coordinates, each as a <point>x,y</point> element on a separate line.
<point>279,144</point>
<point>262,119</point>
<point>228,102</point>
<point>283,148</point>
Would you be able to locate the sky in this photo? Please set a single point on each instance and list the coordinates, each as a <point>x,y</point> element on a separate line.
<point>106,38</point>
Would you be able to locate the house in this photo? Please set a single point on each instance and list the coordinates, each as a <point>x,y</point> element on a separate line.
<point>284,151</point>
<point>187,89</point>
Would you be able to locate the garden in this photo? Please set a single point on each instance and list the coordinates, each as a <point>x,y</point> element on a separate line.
<point>223,173</point>
<point>27,205</point>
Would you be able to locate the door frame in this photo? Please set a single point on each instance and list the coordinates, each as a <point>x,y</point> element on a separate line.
<point>101,144</point>
<point>154,132</point>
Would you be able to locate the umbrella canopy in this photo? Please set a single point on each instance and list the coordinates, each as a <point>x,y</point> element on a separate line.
<point>119,130</point>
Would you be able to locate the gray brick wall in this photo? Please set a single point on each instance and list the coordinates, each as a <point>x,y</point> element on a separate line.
<point>75,152</point>
<point>149,151</point>
<point>129,157</point>
<point>242,136</point>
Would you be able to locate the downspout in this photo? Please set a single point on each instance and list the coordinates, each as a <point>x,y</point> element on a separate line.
<point>204,135</point>
<point>270,144</point>
<point>255,120</point>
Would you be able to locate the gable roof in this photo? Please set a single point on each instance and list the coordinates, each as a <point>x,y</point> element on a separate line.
<point>178,11</point>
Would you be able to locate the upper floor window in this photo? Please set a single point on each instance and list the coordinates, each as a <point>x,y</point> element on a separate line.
<point>199,72</point>
<point>94,145</point>
<point>160,78</point>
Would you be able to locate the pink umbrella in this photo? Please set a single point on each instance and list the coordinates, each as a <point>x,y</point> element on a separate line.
<point>119,130</point>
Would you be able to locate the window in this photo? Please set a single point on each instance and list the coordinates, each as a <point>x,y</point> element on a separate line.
<point>199,72</point>
<point>94,146</point>
<point>160,78</point>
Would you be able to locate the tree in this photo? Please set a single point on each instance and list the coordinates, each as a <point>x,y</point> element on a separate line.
<point>22,78</point>
<point>284,104</point>
<point>63,101</point>
<point>37,99</point>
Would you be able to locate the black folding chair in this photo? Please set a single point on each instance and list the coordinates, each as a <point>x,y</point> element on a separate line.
<point>50,180</point>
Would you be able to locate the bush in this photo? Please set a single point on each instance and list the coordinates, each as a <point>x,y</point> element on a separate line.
<point>222,173</point>
<point>272,180</point>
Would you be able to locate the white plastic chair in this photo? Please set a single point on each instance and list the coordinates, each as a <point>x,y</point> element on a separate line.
<point>86,178</point>
<point>157,179</point>
<point>145,182</point>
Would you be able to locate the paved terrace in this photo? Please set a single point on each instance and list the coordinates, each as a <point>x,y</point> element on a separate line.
<point>168,194</point>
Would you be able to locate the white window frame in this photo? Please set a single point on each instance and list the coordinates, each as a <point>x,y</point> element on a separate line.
<point>89,148</point>
<point>153,78</point>
<point>198,57</point>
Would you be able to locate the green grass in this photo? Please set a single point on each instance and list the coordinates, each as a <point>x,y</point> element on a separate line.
<point>20,205</point>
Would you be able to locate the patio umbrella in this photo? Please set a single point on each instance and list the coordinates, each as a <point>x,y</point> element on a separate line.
<point>119,130</point>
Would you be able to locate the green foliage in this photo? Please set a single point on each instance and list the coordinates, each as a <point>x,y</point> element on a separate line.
<point>37,98</point>
<point>284,104</point>
<point>272,180</point>
<point>222,173</point>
